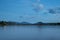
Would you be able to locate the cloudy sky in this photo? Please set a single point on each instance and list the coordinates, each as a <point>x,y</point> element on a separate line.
<point>29,10</point>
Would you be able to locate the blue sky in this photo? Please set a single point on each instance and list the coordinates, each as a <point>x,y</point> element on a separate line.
<point>22,10</point>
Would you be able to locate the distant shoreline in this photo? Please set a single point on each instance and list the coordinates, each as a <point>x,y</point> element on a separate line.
<point>4,23</point>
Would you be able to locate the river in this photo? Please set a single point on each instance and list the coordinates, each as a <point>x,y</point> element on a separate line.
<point>30,32</point>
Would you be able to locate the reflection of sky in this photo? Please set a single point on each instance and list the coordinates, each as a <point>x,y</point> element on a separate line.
<point>13,10</point>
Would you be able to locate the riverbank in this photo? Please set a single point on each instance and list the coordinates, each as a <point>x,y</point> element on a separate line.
<point>4,23</point>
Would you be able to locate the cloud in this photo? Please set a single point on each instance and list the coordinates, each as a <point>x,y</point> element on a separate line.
<point>37,6</point>
<point>41,6</point>
<point>54,10</point>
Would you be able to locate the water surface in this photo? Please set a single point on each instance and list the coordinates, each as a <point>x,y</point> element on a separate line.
<point>30,32</point>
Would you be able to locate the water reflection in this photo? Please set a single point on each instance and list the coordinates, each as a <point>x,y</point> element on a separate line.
<point>2,27</point>
<point>30,32</point>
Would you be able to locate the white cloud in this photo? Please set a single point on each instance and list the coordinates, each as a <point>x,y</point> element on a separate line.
<point>41,6</point>
<point>37,6</point>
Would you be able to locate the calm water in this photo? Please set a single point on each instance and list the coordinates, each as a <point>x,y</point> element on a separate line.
<point>30,33</point>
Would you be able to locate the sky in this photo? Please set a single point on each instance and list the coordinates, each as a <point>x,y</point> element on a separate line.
<point>29,10</point>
